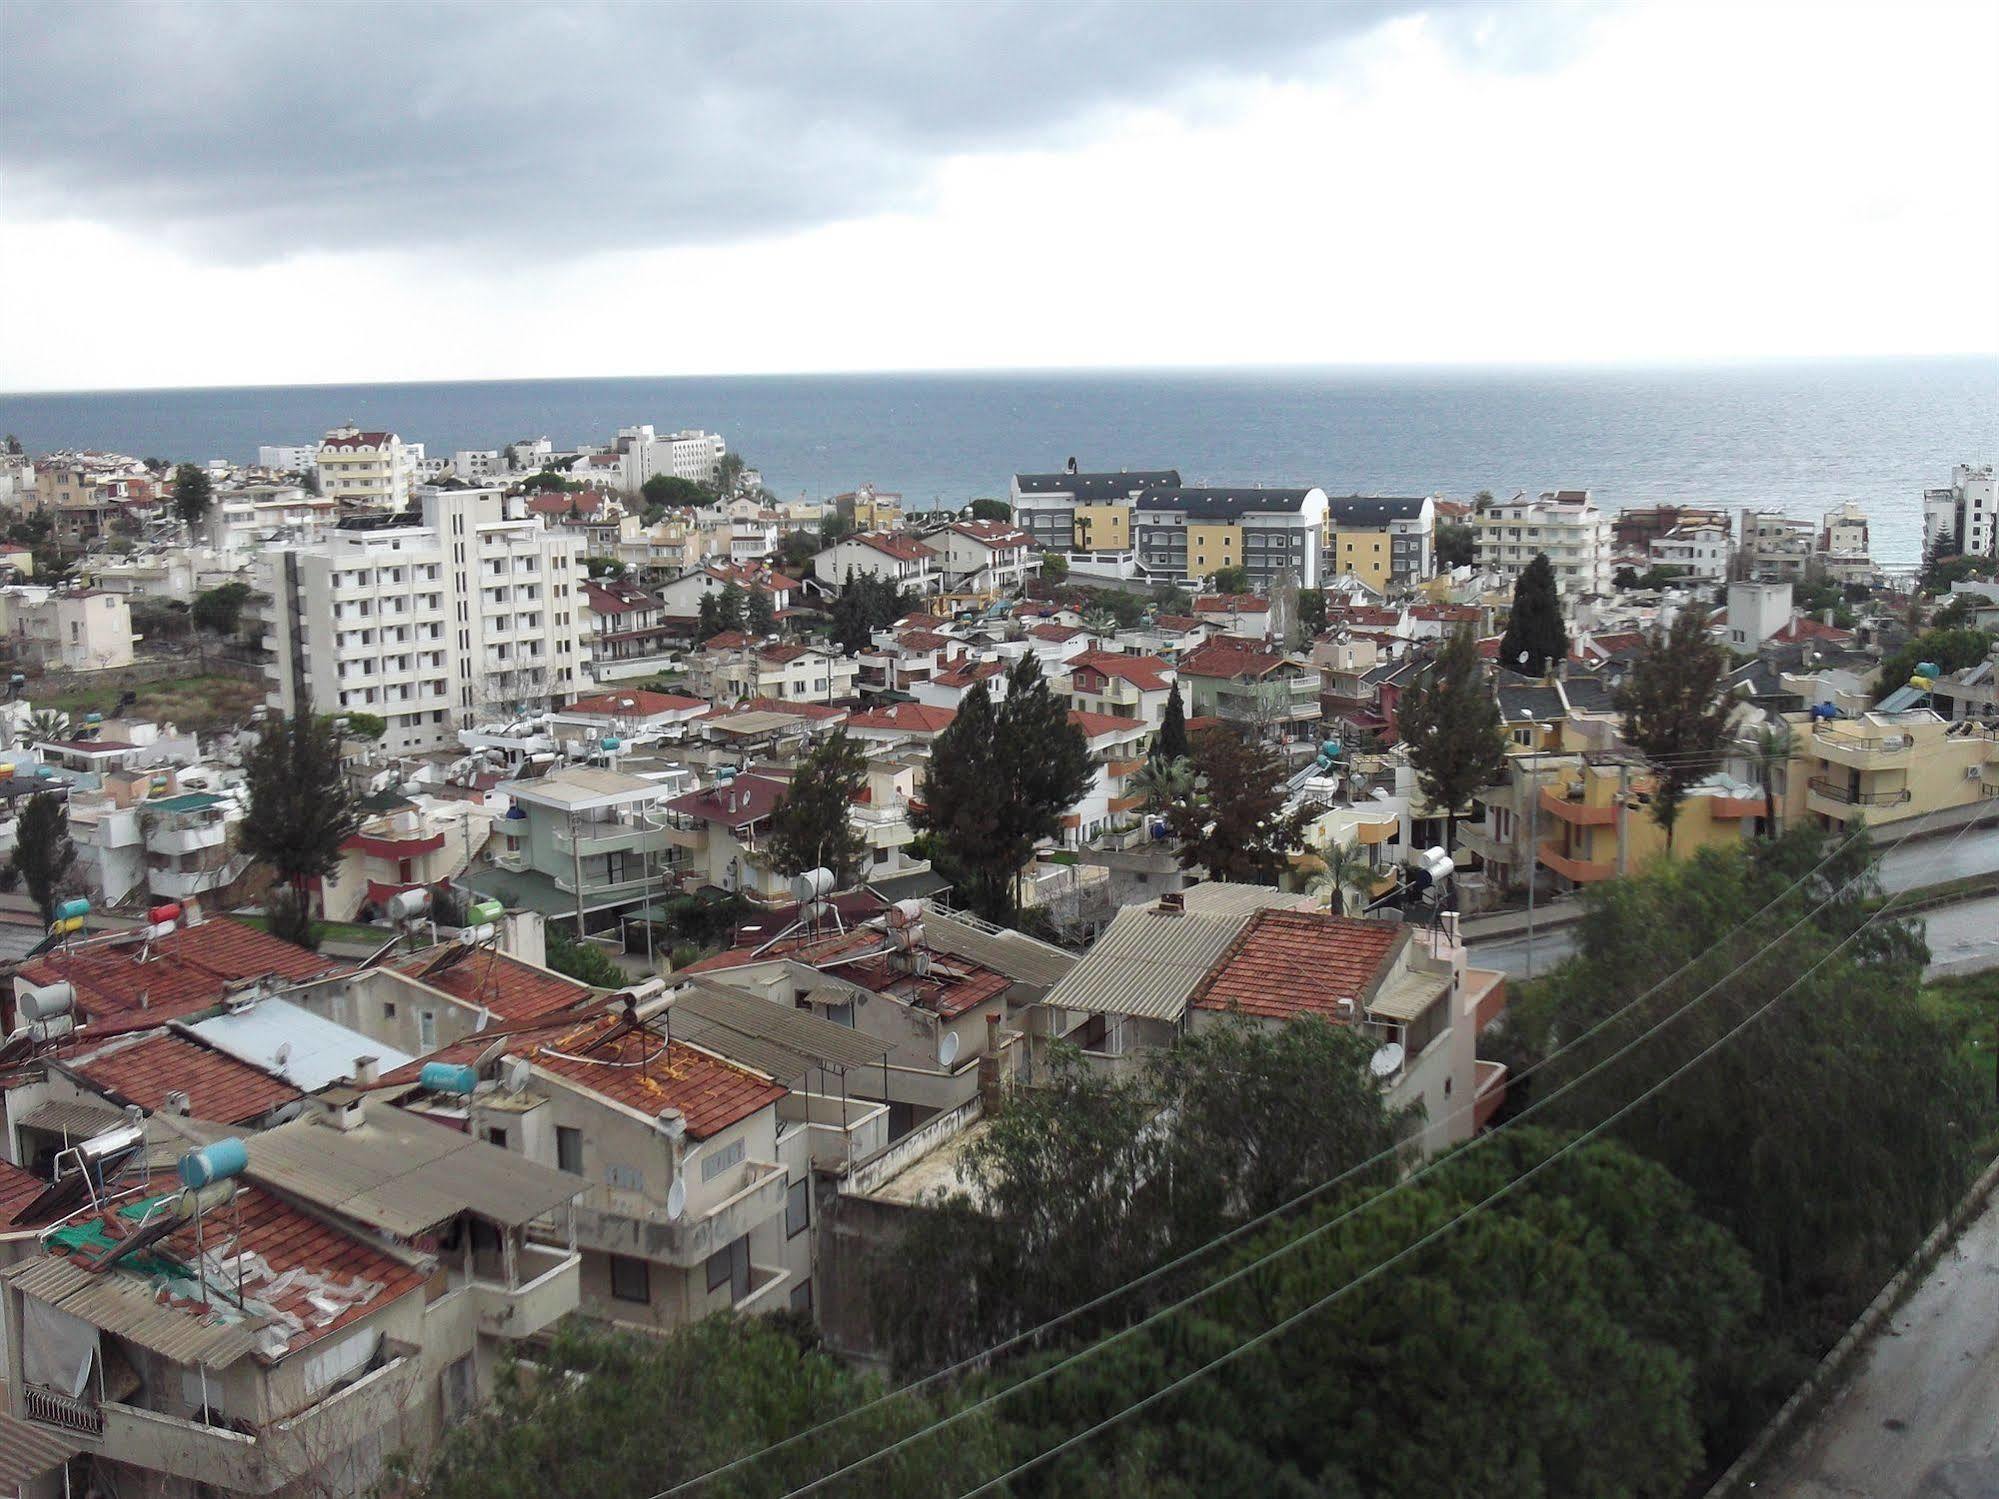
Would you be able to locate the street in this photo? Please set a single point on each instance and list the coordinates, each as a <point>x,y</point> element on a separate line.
<point>1963,938</point>
<point>1920,1417</point>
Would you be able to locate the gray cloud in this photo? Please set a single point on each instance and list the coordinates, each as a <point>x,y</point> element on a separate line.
<point>257,130</point>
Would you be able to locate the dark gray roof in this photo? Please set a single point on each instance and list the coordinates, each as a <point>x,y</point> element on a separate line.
<point>1589,693</point>
<point>1528,698</point>
<point>1224,502</point>
<point>1099,486</point>
<point>1371,510</point>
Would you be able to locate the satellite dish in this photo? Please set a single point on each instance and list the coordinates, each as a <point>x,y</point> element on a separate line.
<point>515,1077</point>
<point>676,1200</point>
<point>1386,1062</point>
<point>283,1055</point>
<point>947,1049</point>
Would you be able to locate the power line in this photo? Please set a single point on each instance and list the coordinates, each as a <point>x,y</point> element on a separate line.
<point>1016,1339</point>
<point>1369,1274</point>
<point>1409,1180</point>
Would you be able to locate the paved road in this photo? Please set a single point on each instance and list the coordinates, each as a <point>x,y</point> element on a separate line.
<point>1921,1417</point>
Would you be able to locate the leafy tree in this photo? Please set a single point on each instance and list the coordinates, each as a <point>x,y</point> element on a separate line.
<point>1954,615</point>
<point>1534,631</point>
<point>867,604</point>
<point>732,606</point>
<point>548,481</point>
<point>1346,870</point>
<point>1312,612</point>
<point>999,780</point>
<point>1456,545</point>
<point>1450,722</point>
<point>709,622</point>
<point>1675,712</point>
<point>14,446</point>
<point>811,828</point>
<point>585,962</point>
<point>1162,782</point>
<point>1952,650</point>
<point>728,474</point>
<point>1091,1180</point>
<point>1229,580</point>
<point>603,567</point>
<point>614,1414</point>
<point>43,853</point>
<point>1237,827</point>
<point>219,610</point>
<point>998,510</point>
<point>761,614</point>
<point>194,492</point>
<point>1172,741</point>
<point>669,491</point>
<point>1829,1134</point>
<point>371,726</point>
<point>833,528</point>
<point>796,549</point>
<point>1770,748</point>
<point>300,813</point>
<point>1054,567</point>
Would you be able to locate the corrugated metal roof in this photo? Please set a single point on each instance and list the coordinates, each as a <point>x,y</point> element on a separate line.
<point>1408,994</point>
<point>80,1120</point>
<point>1024,959</point>
<point>315,1051</point>
<point>1146,964</point>
<point>803,1035</point>
<point>1215,898</point>
<point>125,1306</point>
<point>27,1451</point>
<point>403,1174</point>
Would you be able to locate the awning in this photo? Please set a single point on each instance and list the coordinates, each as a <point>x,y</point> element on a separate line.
<point>124,1306</point>
<point>27,1451</point>
<point>1376,832</point>
<point>1408,995</point>
<point>80,1120</point>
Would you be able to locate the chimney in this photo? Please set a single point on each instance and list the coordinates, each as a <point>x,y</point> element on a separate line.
<point>367,1071</point>
<point>177,1102</point>
<point>1172,903</point>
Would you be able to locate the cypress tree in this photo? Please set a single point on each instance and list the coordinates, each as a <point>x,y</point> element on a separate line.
<point>1172,741</point>
<point>811,828</point>
<point>1675,713</point>
<point>1534,633</point>
<point>300,813</point>
<point>43,852</point>
<point>1451,724</point>
<point>957,805</point>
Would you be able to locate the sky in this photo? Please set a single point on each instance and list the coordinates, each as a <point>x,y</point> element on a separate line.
<point>194,192</point>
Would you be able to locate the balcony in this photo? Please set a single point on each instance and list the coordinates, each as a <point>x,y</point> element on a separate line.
<point>547,1291</point>
<point>842,1132</point>
<point>1860,751</point>
<point>1581,871</point>
<point>187,839</point>
<point>1846,796</point>
<point>610,838</point>
<point>633,1224</point>
<point>58,1408</point>
<point>765,1282</point>
<point>1575,811</point>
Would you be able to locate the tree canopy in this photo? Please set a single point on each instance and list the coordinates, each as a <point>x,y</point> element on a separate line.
<point>194,492</point>
<point>998,510</point>
<point>1950,649</point>
<point>867,604</point>
<point>585,962</point>
<point>812,827</point>
<point>43,853</point>
<point>300,813</point>
<point>670,491</point>
<point>1171,742</point>
<point>1534,634</point>
<point>219,610</point>
<point>1675,712</point>
<point>1235,826</point>
<point>1229,580</point>
<point>1450,721</point>
<point>1456,545</point>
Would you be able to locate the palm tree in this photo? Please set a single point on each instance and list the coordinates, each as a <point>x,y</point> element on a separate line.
<point>1164,782</point>
<point>1100,622</point>
<point>1771,746</point>
<point>46,725</point>
<point>1346,868</point>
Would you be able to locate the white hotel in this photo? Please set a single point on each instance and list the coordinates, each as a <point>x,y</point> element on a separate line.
<point>476,610</point>
<point>1564,523</point>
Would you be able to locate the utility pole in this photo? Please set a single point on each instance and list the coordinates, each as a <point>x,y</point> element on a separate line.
<point>1533,848</point>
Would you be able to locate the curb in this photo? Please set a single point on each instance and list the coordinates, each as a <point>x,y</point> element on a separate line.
<point>1821,1379</point>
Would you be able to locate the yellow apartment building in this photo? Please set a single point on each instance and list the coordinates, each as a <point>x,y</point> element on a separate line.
<point>1884,769</point>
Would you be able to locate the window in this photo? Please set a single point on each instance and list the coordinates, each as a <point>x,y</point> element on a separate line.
<point>801,1297</point>
<point>716,1162</point>
<point>722,1263</point>
<point>798,1207</point>
<point>496,1136</point>
<point>631,1280</point>
<point>426,1030</point>
<point>569,1149</point>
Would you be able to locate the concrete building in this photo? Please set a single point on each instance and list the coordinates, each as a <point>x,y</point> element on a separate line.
<point>430,621</point>
<point>294,458</point>
<point>1118,684</point>
<point>983,560</point>
<point>889,557</point>
<point>585,843</point>
<point>1756,612</point>
<point>1252,687</point>
<point>1084,515</point>
<point>869,509</point>
<point>403,843</point>
<point>248,517</point>
<point>73,629</point>
<point>1189,534</point>
<point>1884,768</point>
<point>691,455</point>
<point>1964,516</point>
<point>1381,541</point>
<point>367,469</point>
<point>1698,551</point>
<point>1563,524</point>
<point>1774,547</point>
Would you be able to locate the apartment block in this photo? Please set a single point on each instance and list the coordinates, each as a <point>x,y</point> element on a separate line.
<point>1962,517</point>
<point>1189,534</point>
<point>430,621</point>
<point>370,469</point>
<point>1381,540</point>
<point>1564,524</point>
<point>1087,513</point>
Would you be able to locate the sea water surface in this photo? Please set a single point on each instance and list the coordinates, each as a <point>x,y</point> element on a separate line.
<point>1799,436</point>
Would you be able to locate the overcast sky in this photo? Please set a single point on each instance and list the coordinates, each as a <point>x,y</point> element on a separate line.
<point>203,193</point>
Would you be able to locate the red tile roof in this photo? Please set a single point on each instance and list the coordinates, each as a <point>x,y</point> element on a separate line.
<point>218,1086</point>
<point>1228,657</point>
<point>817,712</point>
<point>511,989</point>
<point>728,640</point>
<point>617,597</point>
<point>641,1070</point>
<point>1095,725</point>
<point>1462,614</point>
<point>637,702</point>
<point>1148,673</point>
<point>184,972</point>
<point>992,533</point>
<point>1284,964</point>
<point>1231,603</point>
<point>745,800</point>
<point>1057,633</point>
<point>906,718</point>
<point>18,1188</point>
<point>902,548</point>
<point>584,502</point>
<point>780,655</point>
<point>923,640</point>
<point>357,440</point>
<point>965,676</point>
<point>951,988</point>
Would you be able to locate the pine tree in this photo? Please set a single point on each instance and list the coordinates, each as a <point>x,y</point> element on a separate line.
<point>1044,757</point>
<point>957,805</point>
<point>762,614</point>
<point>1534,633</point>
<point>811,828</point>
<point>710,623</point>
<point>300,813</point>
<point>1171,743</point>
<point>43,853</point>
<point>1450,722</point>
<point>1237,828</point>
<point>193,493</point>
<point>1675,712</point>
<point>730,609</point>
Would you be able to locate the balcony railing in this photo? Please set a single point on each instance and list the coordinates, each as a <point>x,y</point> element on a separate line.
<point>59,1408</point>
<point>1834,791</point>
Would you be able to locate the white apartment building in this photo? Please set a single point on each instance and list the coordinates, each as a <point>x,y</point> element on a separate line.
<point>249,517</point>
<point>1775,546</point>
<point>1965,514</point>
<point>366,468</point>
<point>295,458</point>
<point>691,455</point>
<point>1703,551</point>
<point>1563,523</point>
<point>474,610</point>
<point>78,629</point>
<point>476,465</point>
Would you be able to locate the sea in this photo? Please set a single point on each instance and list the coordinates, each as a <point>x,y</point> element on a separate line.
<point>1795,436</point>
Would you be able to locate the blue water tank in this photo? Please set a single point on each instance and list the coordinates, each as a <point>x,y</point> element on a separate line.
<point>446,1077</point>
<point>1928,669</point>
<point>70,908</point>
<point>610,741</point>
<point>214,1163</point>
